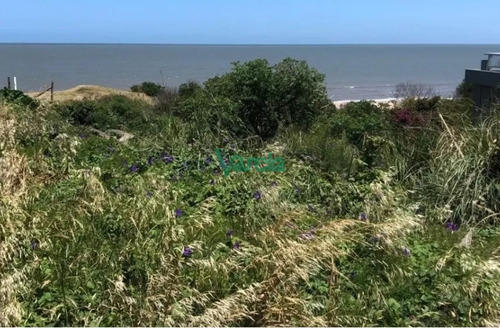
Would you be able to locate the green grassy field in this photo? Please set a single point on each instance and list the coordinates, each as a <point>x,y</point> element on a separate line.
<point>382,217</point>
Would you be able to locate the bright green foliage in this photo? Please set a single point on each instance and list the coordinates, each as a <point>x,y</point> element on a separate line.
<point>269,96</point>
<point>356,120</point>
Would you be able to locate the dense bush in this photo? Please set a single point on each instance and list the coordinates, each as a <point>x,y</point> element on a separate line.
<point>110,112</point>
<point>269,96</point>
<point>148,88</point>
<point>464,90</point>
<point>189,89</point>
<point>356,120</point>
<point>17,97</point>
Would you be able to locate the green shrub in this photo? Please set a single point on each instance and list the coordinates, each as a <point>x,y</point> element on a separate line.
<point>109,112</point>
<point>189,89</point>
<point>18,97</point>
<point>148,88</point>
<point>464,90</point>
<point>356,120</point>
<point>269,96</point>
<point>215,114</point>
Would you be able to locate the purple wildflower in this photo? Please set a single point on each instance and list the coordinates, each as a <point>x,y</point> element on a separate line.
<point>208,160</point>
<point>237,245</point>
<point>375,239</point>
<point>406,251</point>
<point>230,233</point>
<point>257,195</point>
<point>451,226</point>
<point>34,243</point>
<point>150,160</point>
<point>231,147</point>
<point>274,184</point>
<point>134,168</point>
<point>166,158</point>
<point>212,182</point>
<point>178,212</point>
<point>307,236</point>
<point>298,190</point>
<point>187,252</point>
<point>353,275</point>
<point>47,154</point>
<point>149,194</point>
<point>82,136</point>
<point>362,216</point>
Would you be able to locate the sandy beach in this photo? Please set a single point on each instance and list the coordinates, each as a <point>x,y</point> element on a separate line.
<point>389,101</point>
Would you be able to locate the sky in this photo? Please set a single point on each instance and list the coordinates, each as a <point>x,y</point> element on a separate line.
<point>251,21</point>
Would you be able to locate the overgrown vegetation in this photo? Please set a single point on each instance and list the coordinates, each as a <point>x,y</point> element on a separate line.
<point>383,217</point>
<point>148,88</point>
<point>9,96</point>
<point>464,90</point>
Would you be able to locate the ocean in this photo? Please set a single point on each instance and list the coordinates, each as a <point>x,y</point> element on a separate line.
<point>353,72</point>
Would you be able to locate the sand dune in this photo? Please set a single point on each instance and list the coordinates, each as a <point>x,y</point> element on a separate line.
<point>90,92</point>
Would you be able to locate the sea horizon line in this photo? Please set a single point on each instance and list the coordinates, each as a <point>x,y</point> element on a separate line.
<point>249,44</point>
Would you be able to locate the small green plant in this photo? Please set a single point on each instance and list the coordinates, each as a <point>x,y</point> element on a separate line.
<point>148,88</point>
<point>18,97</point>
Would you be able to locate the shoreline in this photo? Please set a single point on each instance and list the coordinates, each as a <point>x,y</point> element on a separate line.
<point>81,92</point>
<point>379,101</point>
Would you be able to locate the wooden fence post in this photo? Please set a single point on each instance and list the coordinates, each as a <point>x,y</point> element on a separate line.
<point>52,91</point>
<point>8,82</point>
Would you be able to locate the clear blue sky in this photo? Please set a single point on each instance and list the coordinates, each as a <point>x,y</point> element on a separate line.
<point>251,21</point>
